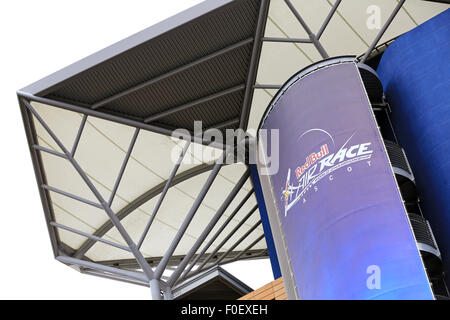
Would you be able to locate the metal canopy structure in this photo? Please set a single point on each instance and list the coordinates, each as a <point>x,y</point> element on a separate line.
<point>125,200</point>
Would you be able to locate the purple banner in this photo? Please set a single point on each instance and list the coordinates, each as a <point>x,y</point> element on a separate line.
<point>345,227</point>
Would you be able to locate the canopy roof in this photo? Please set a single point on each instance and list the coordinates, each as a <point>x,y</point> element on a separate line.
<point>220,62</point>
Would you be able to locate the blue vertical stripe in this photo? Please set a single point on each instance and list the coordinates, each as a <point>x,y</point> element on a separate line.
<point>265,222</point>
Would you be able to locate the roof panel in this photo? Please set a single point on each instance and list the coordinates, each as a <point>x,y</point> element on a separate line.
<point>193,40</point>
<point>49,83</point>
<point>210,77</point>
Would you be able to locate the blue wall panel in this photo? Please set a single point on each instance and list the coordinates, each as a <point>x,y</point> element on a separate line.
<point>415,72</point>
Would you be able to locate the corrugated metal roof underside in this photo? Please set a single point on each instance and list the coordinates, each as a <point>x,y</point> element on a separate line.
<point>201,37</point>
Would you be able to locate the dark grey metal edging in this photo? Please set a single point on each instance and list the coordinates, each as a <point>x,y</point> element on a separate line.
<point>118,119</point>
<point>254,62</point>
<point>176,259</point>
<point>41,178</point>
<point>49,83</point>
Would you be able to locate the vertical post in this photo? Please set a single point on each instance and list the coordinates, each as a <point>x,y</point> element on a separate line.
<point>40,175</point>
<point>155,289</point>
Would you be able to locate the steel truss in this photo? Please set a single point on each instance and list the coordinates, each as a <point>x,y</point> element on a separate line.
<point>314,38</point>
<point>152,268</point>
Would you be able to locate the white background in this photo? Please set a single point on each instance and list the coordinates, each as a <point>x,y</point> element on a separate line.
<point>37,39</point>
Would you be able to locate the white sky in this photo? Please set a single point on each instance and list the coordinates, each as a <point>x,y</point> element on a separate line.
<point>38,38</point>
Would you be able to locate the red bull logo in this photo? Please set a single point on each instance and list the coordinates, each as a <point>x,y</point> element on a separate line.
<point>311,159</point>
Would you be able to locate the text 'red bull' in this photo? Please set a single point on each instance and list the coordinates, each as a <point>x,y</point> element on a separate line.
<point>311,159</point>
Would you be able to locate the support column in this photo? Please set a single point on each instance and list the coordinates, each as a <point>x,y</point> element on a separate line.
<point>167,292</point>
<point>155,289</point>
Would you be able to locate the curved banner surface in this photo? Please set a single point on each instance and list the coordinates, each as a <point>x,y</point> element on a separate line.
<point>345,228</point>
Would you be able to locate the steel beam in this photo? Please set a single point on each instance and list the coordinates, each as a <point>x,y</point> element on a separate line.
<point>139,201</point>
<point>327,19</point>
<point>173,72</point>
<point>383,30</point>
<point>137,254</point>
<point>87,235</point>
<point>224,255</point>
<point>212,223</point>
<point>124,165</point>
<point>96,266</point>
<point>94,113</point>
<point>168,294</point>
<point>72,196</point>
<point>287,40</point>
<point>163,194</point>
<point>236,228</point>
<point>216,235</point>
<point>78,137</point>
<point>224,125</point>
<point>311,35</point>
<point>194,103</point>
<point>249,231</point>
<point>41,178</point>
<point>267,86</point>
<point>155,289</point>
<point>112,277</point>
<point>115,118</point>
<point>163,264</point>
<point>254,61</point>
<point>50,151</point>
<point>247,249</point>
<point>153,261</point>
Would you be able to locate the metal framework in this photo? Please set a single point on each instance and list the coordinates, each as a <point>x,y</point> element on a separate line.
<point>153,277</point>
<point>314,38</point>
<point>193,262</point>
